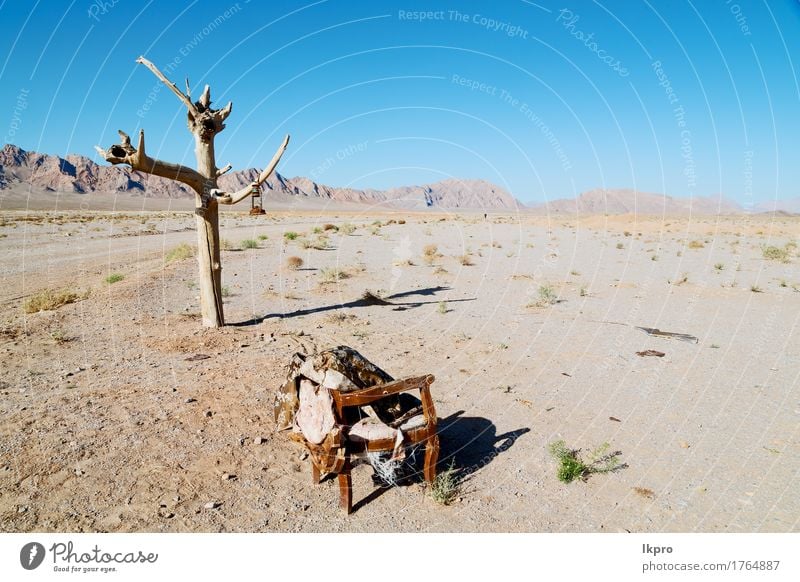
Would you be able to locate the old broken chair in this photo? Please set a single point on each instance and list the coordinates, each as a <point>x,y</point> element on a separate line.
<point>343,409</point>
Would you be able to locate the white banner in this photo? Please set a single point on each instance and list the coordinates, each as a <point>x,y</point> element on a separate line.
<point>388,557</point>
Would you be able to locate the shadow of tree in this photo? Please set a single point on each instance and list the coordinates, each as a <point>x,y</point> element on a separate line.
<point>366,300</point>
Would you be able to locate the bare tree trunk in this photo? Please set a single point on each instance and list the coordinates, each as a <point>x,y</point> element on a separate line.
<point>204,123</point>
<point>208,240</point>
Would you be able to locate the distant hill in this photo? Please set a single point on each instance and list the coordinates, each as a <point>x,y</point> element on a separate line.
<point>626,201</point>
<point>79,174</point>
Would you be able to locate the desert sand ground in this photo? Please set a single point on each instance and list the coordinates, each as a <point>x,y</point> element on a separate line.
<point>107,427</point>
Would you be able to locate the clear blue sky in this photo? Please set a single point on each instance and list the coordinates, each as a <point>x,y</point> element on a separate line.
<point>545,99</point>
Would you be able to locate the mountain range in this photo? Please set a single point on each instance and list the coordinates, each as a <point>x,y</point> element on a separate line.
<point>79,174</point>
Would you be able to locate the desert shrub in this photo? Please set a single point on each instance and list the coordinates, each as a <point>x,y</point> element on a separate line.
<point>49,299</point>
<point>290,235</point>
<point>430,253</point>
<point>547,296</point>
<point>696,244</point>
<point>442,307</point>
<point>249,243</point>
<point>262,237</point>
<point>114,278</point>
<point>294,263</point>
<point>347,228</point>
<point>332,275</point>
<point>226,291</point>
<point>227,245</point>
<point>571,466</point>
<point>446,486</point>
<point>179,253</point>
<point>774,253</point>
<point>329,226</point>
<point>465,260</point>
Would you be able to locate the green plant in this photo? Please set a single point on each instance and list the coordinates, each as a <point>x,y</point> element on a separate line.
<point>442,307</point>
<point>719,266</point>
<point>773,253</point>
<point>547,296</point>
<point>262,237</point>
<point>49,299</point>
<point>571,466</point>
<point>446,486</point>
<point>249,243</point>
<point>226,291</point>
<point>696,244</point>
<point>290,235</point>
<point>114,278</point>
<point>179,253</point>
<point>620,246</point>
<point>347,228</point>
<point>227,245</point>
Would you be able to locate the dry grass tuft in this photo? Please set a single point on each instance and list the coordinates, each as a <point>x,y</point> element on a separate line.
<point>179,253</point>
<point>49,299</point>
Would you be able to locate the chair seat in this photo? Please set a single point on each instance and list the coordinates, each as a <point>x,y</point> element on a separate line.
<point>372,429</point>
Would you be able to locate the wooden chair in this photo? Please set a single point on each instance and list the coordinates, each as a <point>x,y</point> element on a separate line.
<point>351,440</point>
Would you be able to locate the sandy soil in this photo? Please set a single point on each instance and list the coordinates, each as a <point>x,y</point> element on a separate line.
<point>106,426</point>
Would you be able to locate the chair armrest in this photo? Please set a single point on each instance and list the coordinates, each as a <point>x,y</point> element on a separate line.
<point>373,393</point>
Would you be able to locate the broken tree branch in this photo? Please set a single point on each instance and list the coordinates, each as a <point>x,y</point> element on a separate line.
<point>225,198</point>
<point>137,158</point>
<point>172,87</point>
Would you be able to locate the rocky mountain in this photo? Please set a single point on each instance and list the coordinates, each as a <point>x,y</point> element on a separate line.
<point>788,206</point>
<point>626,201</point>
<point>79,174</point>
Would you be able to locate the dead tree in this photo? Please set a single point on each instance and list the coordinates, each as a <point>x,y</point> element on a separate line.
<point>204,123</point>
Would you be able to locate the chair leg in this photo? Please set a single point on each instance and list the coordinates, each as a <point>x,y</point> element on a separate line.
<point>315,476</point>
<point>346,491</point>
<point>431,458</point>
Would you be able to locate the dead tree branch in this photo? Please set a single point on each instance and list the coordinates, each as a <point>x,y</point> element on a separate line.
<point>137,158</point>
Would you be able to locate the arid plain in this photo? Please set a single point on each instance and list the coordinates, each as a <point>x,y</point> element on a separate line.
<point>529,324</point>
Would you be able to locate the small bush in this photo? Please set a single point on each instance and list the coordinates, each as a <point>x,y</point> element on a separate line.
<point>294,263</point>
<point>719,266</point>
<point>179,253</point>
<point>330,226</point>
<point>547,296</point>
<point>347,228</point>
<point>227,245</point>
<point>249,243</point>
<point>442,307</point>
<point>620,246</point>
<point>446,486</point>
<point>226,291</point>
<point>773,253</point>
<point>466,260</point>
<point>696,244</point>
<point>430,253</point>
<point>49,299</point>
<point>290,235</point>
<point>114,278</point>
<point>332,275</point>
<point>571,466</point>
<point>262,237</point>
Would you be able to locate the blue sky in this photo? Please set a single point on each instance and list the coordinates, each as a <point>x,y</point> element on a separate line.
<point>545,99</point>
